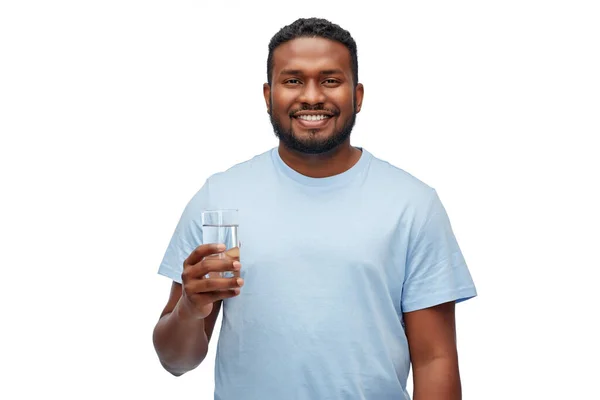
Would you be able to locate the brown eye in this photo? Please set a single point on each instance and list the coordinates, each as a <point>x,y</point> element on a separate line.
<point>293,81</point>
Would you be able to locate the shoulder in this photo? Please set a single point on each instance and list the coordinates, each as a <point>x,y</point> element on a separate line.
<point>242,171</point>
<point>240,177</point>
<point>398,183</point>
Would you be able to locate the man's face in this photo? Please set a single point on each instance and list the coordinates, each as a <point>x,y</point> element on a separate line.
<point>312,100</point>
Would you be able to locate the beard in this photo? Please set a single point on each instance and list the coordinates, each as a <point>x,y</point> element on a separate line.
<point>312,145</point>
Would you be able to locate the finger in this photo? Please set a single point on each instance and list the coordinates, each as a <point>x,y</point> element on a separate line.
<point>211,297</point>
<point>210,264</point>
<point>234,252</point>
<point>203,251</point>
<point>213,284</point>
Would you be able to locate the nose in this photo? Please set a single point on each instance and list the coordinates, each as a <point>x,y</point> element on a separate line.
<point>312,93</point>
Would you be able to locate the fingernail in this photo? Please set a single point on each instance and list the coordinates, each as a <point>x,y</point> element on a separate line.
<point>236,291</point>
<point>221,247</point>
<point>237,265</point>
<point>239,281</point>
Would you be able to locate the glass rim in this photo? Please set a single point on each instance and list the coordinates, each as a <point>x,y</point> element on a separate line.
<point>219,210</point>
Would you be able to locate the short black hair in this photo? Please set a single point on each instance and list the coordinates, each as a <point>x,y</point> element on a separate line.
<point>313,27</point>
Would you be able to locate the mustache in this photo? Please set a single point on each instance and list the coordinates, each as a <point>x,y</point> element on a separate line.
<point>317,107</point>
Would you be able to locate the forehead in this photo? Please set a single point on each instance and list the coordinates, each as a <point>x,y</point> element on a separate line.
<point>311,54</point>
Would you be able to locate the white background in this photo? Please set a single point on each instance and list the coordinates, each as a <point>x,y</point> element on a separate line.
<point>113,113</point>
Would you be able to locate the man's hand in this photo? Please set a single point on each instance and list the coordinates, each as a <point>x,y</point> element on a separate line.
<point>199,292</point>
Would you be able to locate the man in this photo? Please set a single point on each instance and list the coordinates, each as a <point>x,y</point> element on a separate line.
<point>349,267</point>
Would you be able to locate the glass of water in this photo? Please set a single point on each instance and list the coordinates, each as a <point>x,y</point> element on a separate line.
<point>221,226</point>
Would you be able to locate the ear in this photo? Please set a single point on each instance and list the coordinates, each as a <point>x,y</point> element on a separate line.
<point>359,93</point>
<point>267,94</point>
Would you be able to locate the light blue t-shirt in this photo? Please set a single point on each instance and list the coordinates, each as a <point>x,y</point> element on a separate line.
<point>329,265</point>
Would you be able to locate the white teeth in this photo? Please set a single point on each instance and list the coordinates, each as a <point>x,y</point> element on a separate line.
<point>312,117</point>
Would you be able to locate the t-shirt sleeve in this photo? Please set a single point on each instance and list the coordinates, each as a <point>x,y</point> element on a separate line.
<point>187,236</point>
<point>436,271</point>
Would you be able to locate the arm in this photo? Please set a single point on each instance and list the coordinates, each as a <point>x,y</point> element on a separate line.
<point>432,341</point>
<point>180,338</point>
<point>186,324</point>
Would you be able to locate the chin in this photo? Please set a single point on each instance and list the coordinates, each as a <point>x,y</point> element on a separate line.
<point>311,141</point>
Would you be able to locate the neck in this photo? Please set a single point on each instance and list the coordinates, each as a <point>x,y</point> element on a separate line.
<point>334,162</point>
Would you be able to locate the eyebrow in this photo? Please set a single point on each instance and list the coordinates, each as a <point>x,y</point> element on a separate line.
<point>299,72</point>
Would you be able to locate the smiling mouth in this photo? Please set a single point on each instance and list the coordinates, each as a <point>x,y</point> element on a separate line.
<point>313,121</point>
<point>313,117</point>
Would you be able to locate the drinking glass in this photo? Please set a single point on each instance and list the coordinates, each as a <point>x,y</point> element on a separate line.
<point>221,226</point>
